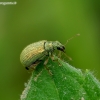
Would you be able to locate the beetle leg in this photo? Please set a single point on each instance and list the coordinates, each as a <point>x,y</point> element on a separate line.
<point>33,66</point>
<point>45,63</point>
<point>56,59</point>
<point>48,70</point>
<point>59,54</point>
<point>35,78</point>
<point>27,68</point>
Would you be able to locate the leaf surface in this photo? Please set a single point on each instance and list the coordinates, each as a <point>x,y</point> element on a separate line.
<point>65,83</point>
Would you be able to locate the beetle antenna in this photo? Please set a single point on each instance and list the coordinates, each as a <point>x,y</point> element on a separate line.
<point>72,38</point>
<point>67,56</point>
<point>67,42</point>
<point>60,54</point>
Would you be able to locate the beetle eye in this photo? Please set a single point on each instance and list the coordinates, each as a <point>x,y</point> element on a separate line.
<point>61,48</point>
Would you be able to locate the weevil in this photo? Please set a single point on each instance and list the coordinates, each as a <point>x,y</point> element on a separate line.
<point>32,55</point>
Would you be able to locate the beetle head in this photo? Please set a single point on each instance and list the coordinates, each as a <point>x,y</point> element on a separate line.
<point>59,46</point>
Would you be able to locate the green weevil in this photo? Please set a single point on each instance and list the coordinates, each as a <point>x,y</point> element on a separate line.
<point>32,55</point>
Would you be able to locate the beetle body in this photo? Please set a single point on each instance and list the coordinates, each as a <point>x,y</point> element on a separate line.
<point>35,52</point>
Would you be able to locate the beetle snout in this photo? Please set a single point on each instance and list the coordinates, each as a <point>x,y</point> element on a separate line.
<point>61,48</point>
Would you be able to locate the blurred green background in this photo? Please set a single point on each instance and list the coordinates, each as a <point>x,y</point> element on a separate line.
<point>34,20</point>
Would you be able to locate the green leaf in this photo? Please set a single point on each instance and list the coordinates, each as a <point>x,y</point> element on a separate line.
<point>65,83</point>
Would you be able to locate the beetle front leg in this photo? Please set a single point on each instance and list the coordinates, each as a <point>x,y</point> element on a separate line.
<point>54,58</point>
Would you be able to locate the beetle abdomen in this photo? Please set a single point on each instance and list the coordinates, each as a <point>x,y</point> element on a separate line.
<point>33,53</point>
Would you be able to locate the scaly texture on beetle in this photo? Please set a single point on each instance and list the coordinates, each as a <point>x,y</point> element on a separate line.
<point>35,52</point>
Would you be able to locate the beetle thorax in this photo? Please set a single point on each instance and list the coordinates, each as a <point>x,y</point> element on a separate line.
<point>49,46</point>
